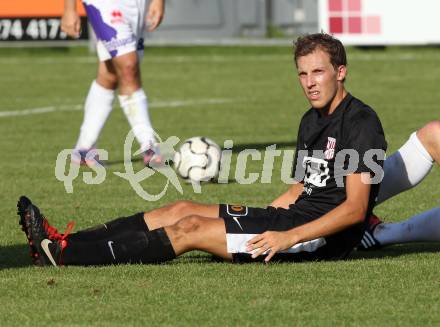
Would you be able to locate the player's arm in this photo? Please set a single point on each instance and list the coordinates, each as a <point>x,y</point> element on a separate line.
<point>70,22</point>
<point>352,211</point>
<point>156,11</point>
<point>288,197</point>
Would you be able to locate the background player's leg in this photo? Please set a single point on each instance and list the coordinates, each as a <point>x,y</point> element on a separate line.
<point>403,170</point>
<point>424,227</point>
<point>408,166</point>
<point>172,213</point>
<point>98,105</point>
<point>133,100</point>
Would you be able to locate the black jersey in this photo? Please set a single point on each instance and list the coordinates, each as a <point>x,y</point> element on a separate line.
<point>319,160</point>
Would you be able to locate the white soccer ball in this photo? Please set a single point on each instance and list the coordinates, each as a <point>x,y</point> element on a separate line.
<point>198,159</point>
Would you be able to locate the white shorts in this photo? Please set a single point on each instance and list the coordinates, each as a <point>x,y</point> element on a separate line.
<point>119,26</point>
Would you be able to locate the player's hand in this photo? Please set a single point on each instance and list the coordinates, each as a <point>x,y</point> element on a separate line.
<point>155,14</point>
<point>269,243</point>
<point>71,24</point>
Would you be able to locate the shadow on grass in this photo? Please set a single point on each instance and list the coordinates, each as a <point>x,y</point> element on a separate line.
<point>15,256</point>
<point>396,251</point>
<point>390,252</point>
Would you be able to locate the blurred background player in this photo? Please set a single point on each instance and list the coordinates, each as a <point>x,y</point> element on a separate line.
<point>404,169</point>
<point>119,26</point>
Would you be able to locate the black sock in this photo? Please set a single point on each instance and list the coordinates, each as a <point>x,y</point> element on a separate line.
<point>126,246</point>
<point>103,231</point>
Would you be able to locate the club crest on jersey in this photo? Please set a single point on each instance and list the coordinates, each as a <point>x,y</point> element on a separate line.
<point>330,148</point>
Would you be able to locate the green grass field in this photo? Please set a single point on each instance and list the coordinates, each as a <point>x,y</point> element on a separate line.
<point>249,95</point>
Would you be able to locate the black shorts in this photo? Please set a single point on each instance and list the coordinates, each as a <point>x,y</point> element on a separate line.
<point>243,223</point>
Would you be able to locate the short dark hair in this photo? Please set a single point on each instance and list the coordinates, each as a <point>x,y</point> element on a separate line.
<point>306,44</point>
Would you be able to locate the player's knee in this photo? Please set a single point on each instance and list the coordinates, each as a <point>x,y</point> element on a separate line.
<point>181,208</point>
<point>189,224</point>
<point>190,232</point>
<point>129,72</point>
<point>429,134</point>
<point>111,78</point>
<point>108,80</point>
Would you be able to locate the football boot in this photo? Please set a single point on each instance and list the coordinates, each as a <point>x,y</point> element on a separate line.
<point>39,232</point>
<point>369,242</point>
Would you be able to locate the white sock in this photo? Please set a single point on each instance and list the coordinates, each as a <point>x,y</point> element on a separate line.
<point>424,227</point>
<point>405,168</point>
<point>135,107</point>
<point>99,104</point>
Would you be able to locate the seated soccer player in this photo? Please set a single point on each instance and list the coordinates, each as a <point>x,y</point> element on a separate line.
<point>403,170</point>
<point>322,217</point>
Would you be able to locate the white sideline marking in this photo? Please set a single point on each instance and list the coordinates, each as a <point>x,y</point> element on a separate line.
<point>158,104</point>
<point>219,58</point>
<point>183,103</point>
<point>169,59</point>
<point>26,112</point>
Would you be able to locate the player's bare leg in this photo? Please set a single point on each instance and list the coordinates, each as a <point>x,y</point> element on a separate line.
<point>172,213</point>
<point>106,76</point>
<point>128,73</point>
<point>134,103</point>
<point>199,233</point>
<point>429,135</point>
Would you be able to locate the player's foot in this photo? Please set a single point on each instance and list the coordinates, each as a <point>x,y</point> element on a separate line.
<point>37,230</point>
<point>152,157</point>
<point>22,210</point>
<point>369,242</point>
<point>88,157</point>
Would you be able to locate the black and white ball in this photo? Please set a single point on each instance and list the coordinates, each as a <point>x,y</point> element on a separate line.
<point>198,159</point>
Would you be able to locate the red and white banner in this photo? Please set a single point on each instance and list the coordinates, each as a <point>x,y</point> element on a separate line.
<point>381,22</point>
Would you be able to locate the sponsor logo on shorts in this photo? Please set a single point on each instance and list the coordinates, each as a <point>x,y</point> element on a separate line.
<point>110,245</point>
<point>116,17</point>
<point>114,44</point>
<point>236,210</point>
<point>238,222</point>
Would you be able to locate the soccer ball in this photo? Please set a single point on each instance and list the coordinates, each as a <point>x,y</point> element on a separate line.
<point>198,159</point>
